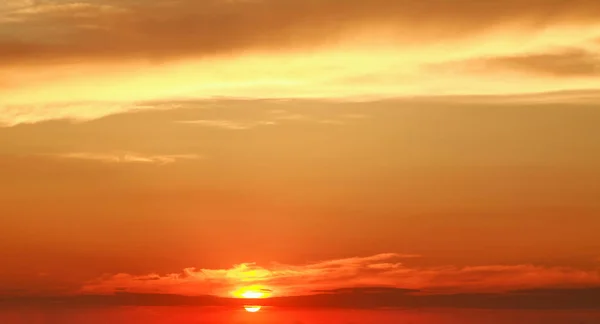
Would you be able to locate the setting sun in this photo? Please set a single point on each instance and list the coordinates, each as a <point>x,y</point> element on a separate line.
<point>252,309</point>
<point>252,292</point>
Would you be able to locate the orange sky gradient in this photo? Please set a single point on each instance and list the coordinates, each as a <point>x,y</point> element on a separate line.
<point>298,146</point>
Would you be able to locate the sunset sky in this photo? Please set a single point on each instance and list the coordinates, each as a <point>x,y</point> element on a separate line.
<point>197,147</point>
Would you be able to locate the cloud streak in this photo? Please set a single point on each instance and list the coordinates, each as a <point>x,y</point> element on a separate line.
<point>162,29</point>
<point>227,124</point>
<point>12,115</point>
<point>568,63</point>
<point>129,157</point>
<point>275,117</point>
<point>379,270</point>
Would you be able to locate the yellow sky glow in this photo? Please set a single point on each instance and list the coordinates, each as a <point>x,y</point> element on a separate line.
<point>252,292</point>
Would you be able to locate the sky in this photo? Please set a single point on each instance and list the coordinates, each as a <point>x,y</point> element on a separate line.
<point>300,147</point>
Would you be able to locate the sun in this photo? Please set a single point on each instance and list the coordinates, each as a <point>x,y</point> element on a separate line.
<point>252,309</point>
<point>252,292</point>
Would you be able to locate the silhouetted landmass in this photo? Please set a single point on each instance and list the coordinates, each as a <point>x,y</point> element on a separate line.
<point>371,298</point>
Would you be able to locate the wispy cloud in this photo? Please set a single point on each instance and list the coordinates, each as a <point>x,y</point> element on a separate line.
<point>129,157</point>
<point>378,270</point>
<point>274,117</point>
<point>7,6</point>
<point>282,114</point>
<point>331,122</point>
<point>355,116</point>
<point>11,115</point>
<point>565,63</point>
<point>227,124</point>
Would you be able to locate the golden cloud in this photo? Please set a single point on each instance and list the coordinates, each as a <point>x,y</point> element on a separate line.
<point>126,52</point>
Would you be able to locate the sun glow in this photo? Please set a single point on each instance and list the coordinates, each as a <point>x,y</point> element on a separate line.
<point>252,292</point>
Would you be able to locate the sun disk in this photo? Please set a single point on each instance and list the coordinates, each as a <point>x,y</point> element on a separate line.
<point>252,309</point>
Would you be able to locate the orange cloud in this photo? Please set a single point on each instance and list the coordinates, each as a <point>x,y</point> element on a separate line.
<point>378,270</point>
<point>574,63</point>
<point>158,29</point>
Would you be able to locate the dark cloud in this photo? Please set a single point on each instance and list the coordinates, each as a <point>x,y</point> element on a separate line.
<point>365,290</point>
<point>585,298</point>
<point>389,297</point>
<point>158,29</point>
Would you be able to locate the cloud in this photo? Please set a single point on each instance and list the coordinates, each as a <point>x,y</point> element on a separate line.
<point>179,28</point>
<point>566,63</point>
<point>386,297</point>
<point>11,115</point>
<point>331,122</point>
<point>355,116</point>
<point>228,124</point>
<point>116,54</point>
<point>281,114</point>
<point>7,6</point>
<point>129,157</point>
<point>274,117</point>
<point>352,298</point>
<point>383,270</point>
